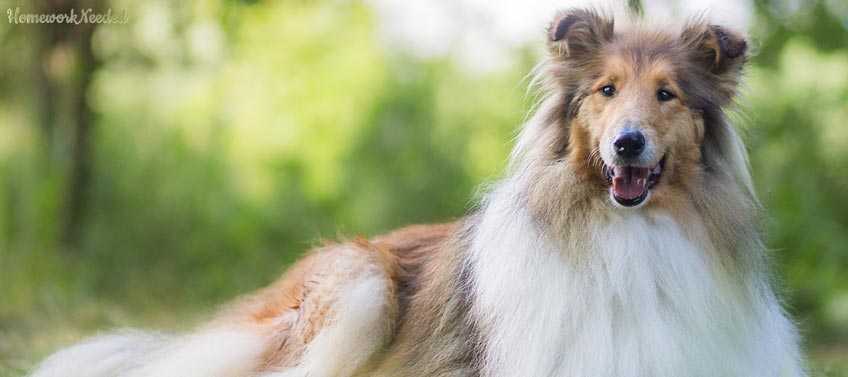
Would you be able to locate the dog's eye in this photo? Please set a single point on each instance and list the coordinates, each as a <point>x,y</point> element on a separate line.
<point>664,95</point>
<point>608,91</point>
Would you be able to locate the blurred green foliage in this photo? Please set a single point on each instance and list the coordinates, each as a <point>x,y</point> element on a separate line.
<point>229,137</point>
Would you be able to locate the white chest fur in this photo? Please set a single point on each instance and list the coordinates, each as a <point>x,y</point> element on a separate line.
<point>640,298</point>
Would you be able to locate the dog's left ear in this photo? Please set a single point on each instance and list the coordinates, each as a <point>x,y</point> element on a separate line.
<point>716,48</point>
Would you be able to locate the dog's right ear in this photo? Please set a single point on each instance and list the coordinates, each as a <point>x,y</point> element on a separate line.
<point>578,32</point>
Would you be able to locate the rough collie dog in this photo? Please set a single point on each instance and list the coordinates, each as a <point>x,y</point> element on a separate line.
<point>622,242</point>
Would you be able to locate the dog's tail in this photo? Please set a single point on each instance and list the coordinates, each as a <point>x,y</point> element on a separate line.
<point>133,353</point>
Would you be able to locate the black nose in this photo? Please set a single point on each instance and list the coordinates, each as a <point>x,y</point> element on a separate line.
<point>629,143</point>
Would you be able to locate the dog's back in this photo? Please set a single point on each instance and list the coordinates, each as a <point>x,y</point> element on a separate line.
<point>336,312</point>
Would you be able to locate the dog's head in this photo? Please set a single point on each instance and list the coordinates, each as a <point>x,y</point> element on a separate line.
<point>637,103</point>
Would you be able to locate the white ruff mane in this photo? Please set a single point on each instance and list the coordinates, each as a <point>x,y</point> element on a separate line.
<point>634,294</point>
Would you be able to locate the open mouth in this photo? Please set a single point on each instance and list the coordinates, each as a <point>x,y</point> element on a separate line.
<point>630,184</point>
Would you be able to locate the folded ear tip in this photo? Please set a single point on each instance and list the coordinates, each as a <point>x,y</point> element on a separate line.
<point>563,22</point>
<point>732,44</point>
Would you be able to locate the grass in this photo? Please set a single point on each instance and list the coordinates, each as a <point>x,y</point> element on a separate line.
<point>27,336</point>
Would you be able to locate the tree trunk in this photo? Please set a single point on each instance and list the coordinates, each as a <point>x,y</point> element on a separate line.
<point>67,64</point>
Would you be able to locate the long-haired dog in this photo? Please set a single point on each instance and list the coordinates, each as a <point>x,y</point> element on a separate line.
<point>622,242</point>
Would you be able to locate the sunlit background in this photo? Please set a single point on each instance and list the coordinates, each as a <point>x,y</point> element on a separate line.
<point>152,170</point>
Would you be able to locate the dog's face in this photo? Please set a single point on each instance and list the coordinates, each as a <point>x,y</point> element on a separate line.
<point>637,101</point>
<point>635,118</point>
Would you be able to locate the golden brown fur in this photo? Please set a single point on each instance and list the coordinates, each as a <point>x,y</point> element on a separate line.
<point>414,260</point>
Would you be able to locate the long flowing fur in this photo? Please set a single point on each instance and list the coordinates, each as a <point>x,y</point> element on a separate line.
<point>548,277</point>
<point>640,293</point>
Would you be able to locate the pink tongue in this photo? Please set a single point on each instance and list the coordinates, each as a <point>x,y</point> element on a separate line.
<point>630,182</point>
